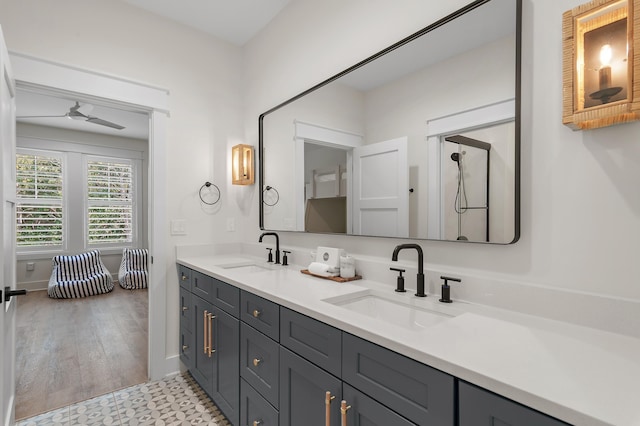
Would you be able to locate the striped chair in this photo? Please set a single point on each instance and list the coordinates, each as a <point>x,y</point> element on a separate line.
<point>79,275</point>
<point>133,269</point>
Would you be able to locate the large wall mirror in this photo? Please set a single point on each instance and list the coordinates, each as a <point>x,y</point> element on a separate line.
<point>422,140</point>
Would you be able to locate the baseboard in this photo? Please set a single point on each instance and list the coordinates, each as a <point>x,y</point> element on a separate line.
<point>32,285</point>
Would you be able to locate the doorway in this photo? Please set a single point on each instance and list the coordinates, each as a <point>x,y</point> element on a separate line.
<point>92,345</point>
<point>33,73</point>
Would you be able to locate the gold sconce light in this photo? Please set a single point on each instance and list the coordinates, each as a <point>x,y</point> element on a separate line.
<point>601,58</point>
<point>242,165</point>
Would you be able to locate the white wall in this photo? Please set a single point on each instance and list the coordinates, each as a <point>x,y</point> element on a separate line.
<point>203,77</point>
<point>580,202</point>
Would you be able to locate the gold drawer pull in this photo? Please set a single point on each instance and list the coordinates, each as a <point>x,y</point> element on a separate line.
<point>205,332</point>
<point>256,361</point>
<point>211,317</point>
<point>343,409</point>
<point>257,422</point>
<point>256,313</point>
<point>184,277</point>
<point>184,348</point>
<point>327,405</point>
<point>184,308</point>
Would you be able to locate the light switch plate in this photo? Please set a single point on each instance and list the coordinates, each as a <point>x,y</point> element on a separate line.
<point>178,227</point>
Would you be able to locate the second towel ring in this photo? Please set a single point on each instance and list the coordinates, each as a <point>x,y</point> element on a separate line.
<point>269,188</point>
<point>208,185</point>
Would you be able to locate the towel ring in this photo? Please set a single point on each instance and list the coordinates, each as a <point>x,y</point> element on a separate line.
<point>269,188</point>
<point>208,185</point>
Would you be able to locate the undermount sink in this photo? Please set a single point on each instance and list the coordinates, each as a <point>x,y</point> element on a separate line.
<point>249,266</point>
<point>400,309</point>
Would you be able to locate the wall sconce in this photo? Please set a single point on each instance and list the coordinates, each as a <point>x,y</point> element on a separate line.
<point>601,53</point>
<point>242,167</point>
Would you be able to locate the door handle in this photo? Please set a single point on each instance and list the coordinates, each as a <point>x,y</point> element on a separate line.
<point>211,317</point>
<point>327,406</point>
<point>205,332</point>
<point>8,293</point>
<point>343,410</point>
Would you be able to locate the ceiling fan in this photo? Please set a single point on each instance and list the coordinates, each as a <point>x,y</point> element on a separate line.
<point>80,112</point>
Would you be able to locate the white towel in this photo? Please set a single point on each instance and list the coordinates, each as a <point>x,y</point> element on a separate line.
<point>322,269</point>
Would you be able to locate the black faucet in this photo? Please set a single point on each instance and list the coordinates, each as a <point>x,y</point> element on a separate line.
<point>277,244</point>
<point>420,278</point>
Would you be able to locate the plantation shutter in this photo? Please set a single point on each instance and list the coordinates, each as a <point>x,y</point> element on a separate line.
<point>39,206</point>
<point>110,201</point>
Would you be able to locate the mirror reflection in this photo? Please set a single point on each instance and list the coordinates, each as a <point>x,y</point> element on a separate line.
<point>422,141</point>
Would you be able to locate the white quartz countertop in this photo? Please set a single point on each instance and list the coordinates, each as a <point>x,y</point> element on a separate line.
<point>579,375</point>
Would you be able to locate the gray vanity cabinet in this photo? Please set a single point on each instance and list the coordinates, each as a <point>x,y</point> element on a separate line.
<point>303,388</point>
<point>202,360</point>
<point>226,364</point>
<point>479,407</point>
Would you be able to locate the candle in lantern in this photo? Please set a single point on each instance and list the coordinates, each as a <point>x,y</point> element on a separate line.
<point>605,70</point>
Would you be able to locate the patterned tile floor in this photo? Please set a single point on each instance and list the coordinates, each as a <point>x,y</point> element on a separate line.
<point>175,400</point>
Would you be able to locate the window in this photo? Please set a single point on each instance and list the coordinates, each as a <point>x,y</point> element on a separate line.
<point>39,207</point>
<point>109,201</point>
<point>73,198</point>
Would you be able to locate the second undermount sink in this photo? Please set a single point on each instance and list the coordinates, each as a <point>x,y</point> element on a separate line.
<point>393,308</point>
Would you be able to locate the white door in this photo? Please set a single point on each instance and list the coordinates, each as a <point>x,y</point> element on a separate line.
<point>7,235</point>
<point>381,200</point>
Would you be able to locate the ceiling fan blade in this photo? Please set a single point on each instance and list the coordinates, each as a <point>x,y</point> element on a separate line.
<point>96,120</point>
<point>41,116</point>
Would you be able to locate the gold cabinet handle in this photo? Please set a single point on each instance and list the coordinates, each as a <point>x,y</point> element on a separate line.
<point>256,361</point>
<point>211,317</point>
<point>257,422</point>
<point>327,406</point>
<point>185,308</point>
<point>205,332</point>
<point>343,410</point>
<point>184,277</point>
<point>256,313</point>
<point>184,348</point>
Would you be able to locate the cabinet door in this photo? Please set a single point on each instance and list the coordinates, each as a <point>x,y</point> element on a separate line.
<point>478,407</point>
<point>365,411</point>
<point>202,358</point>
<point>226,364</point>
<point>303,388</point>
<point>255,410</point>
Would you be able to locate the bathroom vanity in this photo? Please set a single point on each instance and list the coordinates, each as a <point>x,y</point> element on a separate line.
<point>272,346</point>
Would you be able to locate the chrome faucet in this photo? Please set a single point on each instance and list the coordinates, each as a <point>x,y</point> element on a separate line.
<point>277,244</point>
<point>420,278</point>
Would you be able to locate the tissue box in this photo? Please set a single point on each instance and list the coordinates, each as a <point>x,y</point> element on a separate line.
<point>329,256</point>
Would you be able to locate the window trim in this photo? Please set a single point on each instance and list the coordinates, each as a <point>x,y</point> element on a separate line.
<point>136,181</point>
<point>52,249</point>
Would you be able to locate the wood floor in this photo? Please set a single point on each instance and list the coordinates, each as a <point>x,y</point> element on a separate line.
<point>69,350</point>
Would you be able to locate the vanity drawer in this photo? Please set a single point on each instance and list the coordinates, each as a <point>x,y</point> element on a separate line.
<point>226,297</point>
<point>221,294</point>
<point>187,347</point>
<point>261,314</point>
<point>316,341</point>
<point>186,310</point>
<point>422,394</point>
<point>255,410</point>
<point>259,362</point>
<point>184,277</point>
